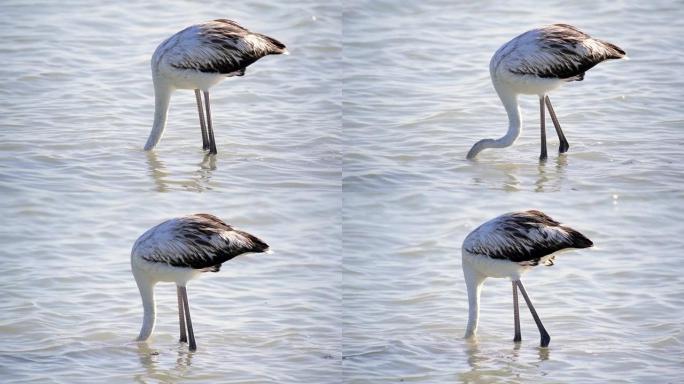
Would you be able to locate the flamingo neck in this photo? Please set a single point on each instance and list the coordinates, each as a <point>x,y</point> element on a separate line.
<point>510,101</point>
<point>146,288</point>
<point>473,280</point>
<point>162,96</point>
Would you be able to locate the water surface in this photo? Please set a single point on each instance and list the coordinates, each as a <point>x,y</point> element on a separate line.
<point>77,190</point>
<point>416,96</point>
<point>347,157</point>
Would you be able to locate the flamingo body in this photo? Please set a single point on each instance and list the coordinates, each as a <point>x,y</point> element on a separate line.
<point>179,250</point>
<point>507,247</point>
<point>199,57</point>
<point>538,62</point>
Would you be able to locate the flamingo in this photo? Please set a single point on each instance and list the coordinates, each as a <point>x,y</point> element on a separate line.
<point>199,57</point>
<point>508,246</point>
<point>179,250</point>
<point>536,63</point>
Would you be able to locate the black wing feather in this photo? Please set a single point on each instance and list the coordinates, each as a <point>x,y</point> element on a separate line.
<point>204,241</point>
<point>233,48</point>
<point>573,52</point>
<point>527,237</point>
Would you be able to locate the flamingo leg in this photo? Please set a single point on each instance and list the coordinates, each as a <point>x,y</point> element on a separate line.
<point>203,127</point>
<point>181,316</point>
<point>516,313</point>
<point>191,334</point>
<point>545,338</point>
<point>564,145</point>
<point>212,141</point>
<point>543,154</point>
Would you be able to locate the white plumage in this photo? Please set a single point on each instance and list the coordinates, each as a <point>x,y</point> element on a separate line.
<point>537,62</point>
<point>507,247</point>
<point>179,250</point>
<point>198,58</point>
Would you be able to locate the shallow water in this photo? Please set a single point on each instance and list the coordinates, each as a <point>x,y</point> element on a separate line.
<point>347,157</point>
<point>78,190</point>
<point>416,96</point>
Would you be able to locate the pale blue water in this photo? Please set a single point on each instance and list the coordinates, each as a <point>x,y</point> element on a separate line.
<point>77,190</point>
<point>416,96</point>
<point>347,157</point>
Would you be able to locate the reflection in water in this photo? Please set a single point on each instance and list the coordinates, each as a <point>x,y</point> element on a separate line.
<point>206,168</point>
<point>561,162</point>
<point>474,356</point>
<point>486,172</point>
<point>164,181</point>
<point>544,353</point>
<point>153,362</point>
<point>484,362</point>
<point>542,178</point>
<point>511,181</point>
<point>515,177</point>
<point>556,178</point>
<point>157,170</point>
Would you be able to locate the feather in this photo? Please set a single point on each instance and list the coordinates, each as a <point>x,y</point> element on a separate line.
<point>219,46</point>
<point>523,237</point>
<point>199,241</point>
<point>558,51</point>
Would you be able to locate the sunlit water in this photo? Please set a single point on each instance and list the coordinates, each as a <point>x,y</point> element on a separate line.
<point>365,283</point>
<point>416,96</point>
<point>77,190</point>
